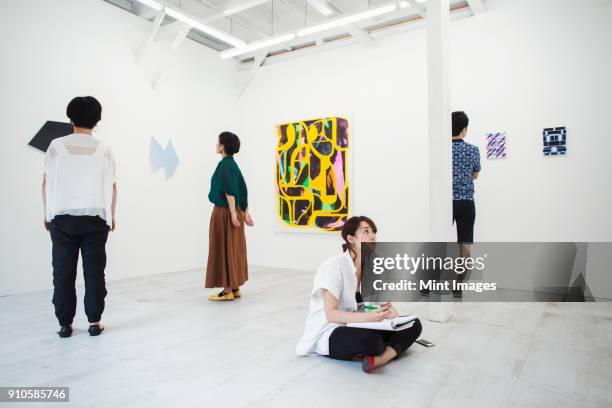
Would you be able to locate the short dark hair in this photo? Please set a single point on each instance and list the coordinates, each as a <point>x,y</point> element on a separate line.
<point>460,122</point>
<point>84,111</point>
<point>230,142</point>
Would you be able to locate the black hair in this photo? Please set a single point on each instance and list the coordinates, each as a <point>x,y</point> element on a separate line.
<point>460,122</point>
<point>350,228</point>
<point>84,111</point>
<point>230,142</point>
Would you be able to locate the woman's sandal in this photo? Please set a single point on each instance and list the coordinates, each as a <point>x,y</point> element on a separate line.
<point>367,364</point>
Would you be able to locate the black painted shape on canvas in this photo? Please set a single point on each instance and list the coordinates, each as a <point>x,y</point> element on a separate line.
<point>50,130</point>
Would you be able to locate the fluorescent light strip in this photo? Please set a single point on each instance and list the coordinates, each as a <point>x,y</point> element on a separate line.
<point>151,3</point>
<point>316,29</point>
<point>257,45</point>
<point>321,7</point>
<point>207,29</point>
<point>347,20</point>
<point>241,7</point>
<point>236,42</point>
<point>405,4</point>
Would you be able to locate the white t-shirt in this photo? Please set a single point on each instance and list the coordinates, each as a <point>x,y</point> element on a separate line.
<point>337,275</point>
<point>80,172</point>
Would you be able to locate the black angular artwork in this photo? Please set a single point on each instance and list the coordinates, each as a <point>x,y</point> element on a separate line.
<point>50,130</point>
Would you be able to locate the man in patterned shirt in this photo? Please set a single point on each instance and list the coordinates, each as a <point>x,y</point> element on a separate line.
<point>466,167</point>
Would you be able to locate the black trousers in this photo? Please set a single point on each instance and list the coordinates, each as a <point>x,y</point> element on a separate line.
<point>464,215</point>
<point>69,234</point>
<point>347,343</point>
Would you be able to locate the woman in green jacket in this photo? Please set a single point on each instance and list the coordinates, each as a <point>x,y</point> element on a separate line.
<point>227,265</point>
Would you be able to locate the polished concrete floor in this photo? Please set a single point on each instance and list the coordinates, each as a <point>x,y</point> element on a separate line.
<point>167,346</point>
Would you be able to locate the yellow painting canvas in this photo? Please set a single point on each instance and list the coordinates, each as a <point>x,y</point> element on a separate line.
<point>312,182</point>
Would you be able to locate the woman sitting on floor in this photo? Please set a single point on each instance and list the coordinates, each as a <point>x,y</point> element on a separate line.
<point>333,303</point>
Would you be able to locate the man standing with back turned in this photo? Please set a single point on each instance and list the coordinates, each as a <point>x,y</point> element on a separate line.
<point>466,167</point>
<point>79,197</point>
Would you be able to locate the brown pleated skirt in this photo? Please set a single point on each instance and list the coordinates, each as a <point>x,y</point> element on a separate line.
<point>227,253</point>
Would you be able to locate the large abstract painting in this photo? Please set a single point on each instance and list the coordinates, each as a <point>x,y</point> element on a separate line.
<point>312,181</point>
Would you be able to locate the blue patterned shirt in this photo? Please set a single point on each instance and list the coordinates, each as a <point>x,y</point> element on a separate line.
<point>466,159</point>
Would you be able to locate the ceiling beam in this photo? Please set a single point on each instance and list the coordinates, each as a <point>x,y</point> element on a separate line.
<point>151,37</point>
<point>395,28</point>
<point>208,11</point>
<point>418,8</point>
<point>312,33</point>
<point>322,7</point>
<point>237,20</point>
<point>299,13</point>
<point>477,6</point>
<point>359,33</point>
<point>353,29</point>
<point>178,40</point>
<point>230,8</point>
<point>194,22</point>
<point>169,30</point>
<point>249,27</point>
<point>260,58</point>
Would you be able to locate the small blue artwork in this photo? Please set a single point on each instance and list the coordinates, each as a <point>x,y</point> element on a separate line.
<point>166,158</point>
<point>555,140</point>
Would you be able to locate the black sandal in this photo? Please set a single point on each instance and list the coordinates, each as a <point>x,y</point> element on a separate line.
<point>95,329</point>
<point>65,331</point>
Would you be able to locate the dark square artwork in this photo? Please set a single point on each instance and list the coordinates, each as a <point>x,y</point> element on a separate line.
<point>50,130</point>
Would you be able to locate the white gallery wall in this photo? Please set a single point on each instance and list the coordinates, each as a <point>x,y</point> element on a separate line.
<point>382,92</point>
<point>55,50</point>
<point>522,66</point>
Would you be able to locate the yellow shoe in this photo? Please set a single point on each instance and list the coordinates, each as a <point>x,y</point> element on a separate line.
<point>236,293</point>
<point>222,296</point>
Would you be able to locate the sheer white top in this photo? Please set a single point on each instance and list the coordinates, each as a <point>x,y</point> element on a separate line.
<point>80,172</point>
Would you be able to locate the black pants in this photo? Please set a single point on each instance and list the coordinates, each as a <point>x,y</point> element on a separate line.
<point>69,234</point>
<point>464,215</point>
<point>347,343</point>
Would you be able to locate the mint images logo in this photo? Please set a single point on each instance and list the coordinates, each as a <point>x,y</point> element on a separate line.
<point>413,264</point>
<point>445,286</point>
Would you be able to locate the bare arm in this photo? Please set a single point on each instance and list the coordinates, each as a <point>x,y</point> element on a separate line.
<point>247,218</point>
<point>231,201</point>
<point>44,198</point>
<point>44,193</point>
<point>333,315</point>
<point>114,205</point>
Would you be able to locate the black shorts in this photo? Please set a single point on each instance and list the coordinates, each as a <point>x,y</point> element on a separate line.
<point>464,215</point>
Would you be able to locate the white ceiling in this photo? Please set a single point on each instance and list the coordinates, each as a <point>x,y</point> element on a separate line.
<point>269,18</point>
